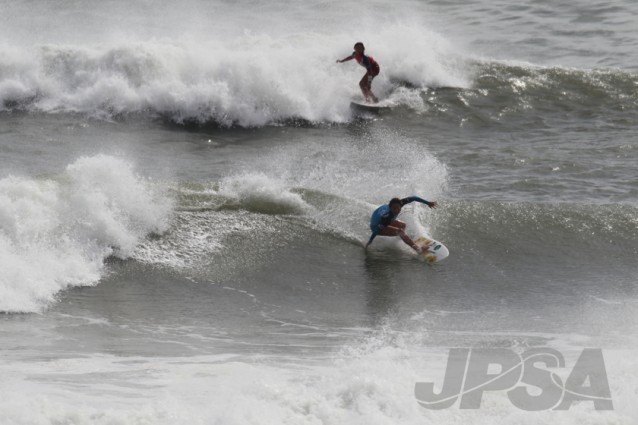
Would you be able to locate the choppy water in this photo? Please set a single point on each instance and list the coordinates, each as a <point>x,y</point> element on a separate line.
<point>185,192</point>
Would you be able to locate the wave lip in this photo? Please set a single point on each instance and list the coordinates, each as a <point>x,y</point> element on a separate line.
<point>56,234</point>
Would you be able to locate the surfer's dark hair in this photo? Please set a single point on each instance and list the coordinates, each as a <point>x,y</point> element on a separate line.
<point>395,201</point>
<point>357,43</point>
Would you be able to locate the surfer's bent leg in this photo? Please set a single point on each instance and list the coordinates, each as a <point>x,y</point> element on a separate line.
<point>399,231</point>
<point>399,224</point>
<point>366,87</point>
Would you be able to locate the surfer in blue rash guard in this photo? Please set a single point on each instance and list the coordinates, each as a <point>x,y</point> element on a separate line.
<point>384,223</point>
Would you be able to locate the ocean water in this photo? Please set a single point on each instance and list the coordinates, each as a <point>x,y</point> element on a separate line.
<point>185,195</point>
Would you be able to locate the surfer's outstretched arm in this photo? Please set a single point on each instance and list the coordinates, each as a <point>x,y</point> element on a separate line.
<point>409,199</point>
<point>375,224</point>
<point>346,59</point>
<point>374,235</point>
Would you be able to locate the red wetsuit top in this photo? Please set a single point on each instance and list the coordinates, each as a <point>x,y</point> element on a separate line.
<point>367,62</point>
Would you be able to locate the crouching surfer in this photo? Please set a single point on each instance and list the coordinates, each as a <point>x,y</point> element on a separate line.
<point>384,220</point>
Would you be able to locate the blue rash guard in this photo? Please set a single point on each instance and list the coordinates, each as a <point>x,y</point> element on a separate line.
<point>383,216</point>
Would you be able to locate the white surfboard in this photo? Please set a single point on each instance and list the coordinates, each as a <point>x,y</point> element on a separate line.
<point>435,250</point>
<point>371,107</point>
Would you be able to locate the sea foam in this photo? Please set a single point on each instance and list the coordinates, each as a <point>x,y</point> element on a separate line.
<point>56,233</point>
<point>249,79</point>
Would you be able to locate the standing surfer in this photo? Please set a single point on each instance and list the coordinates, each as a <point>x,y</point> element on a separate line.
<point>372,70</point>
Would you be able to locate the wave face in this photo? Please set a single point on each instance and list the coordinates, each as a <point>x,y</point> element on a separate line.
<point>516,236</point>
<point>57,233</point>
<point>534,97</point>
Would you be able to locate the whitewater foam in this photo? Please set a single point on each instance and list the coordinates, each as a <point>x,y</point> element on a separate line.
<point>56,233</point>
<point>369,381</point>
<point>250,79</point>
<point>261,193</point>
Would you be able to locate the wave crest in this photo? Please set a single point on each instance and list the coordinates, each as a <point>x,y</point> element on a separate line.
<point>56,234</point>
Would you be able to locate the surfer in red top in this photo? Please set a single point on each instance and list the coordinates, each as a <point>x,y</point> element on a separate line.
<point>372,70</point>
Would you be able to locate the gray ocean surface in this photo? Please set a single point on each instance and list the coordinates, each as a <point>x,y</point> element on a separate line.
<point>185,195</point>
